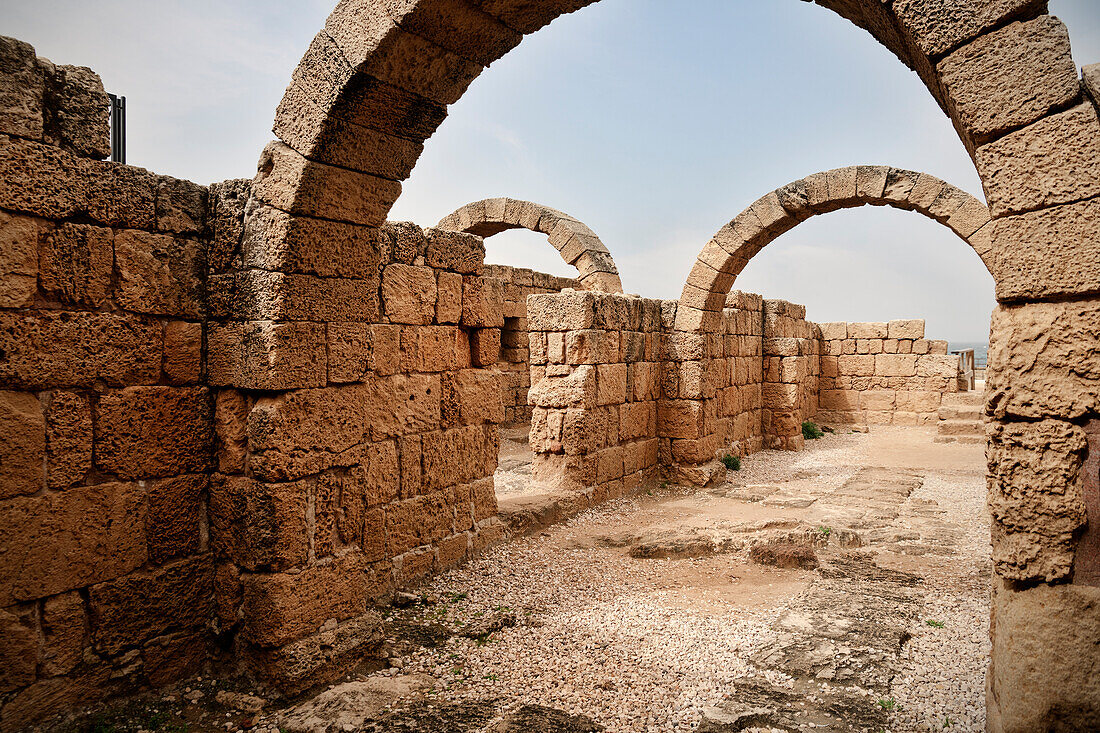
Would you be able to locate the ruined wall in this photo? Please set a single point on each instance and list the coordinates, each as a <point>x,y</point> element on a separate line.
<point>883,373</point>
<point>106,437</point>
<point>595,370</point>
<point>792,350</point>
<point>514,363</point>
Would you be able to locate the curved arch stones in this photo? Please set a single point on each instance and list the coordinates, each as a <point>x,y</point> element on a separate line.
<point>578,245</point>
<point>731,248</point>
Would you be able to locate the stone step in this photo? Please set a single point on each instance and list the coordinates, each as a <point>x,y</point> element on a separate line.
<point>959,439</point>
<point>961,427</point>
<point>959,399</point>
<point>960,412</point>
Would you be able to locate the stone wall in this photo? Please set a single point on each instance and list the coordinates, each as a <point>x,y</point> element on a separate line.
<point>106,568</point>
<point>595,370</point>
<point>514,363</point>
<point>883,373</point>
<point>792,350</point>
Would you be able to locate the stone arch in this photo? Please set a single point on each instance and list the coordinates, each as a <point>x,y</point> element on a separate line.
<point>730,249</point>
<point>578,245</point>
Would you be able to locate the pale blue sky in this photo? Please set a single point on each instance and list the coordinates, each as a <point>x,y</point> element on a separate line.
<point>653,121</point>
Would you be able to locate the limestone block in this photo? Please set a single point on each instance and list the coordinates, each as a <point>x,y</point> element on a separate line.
<point>64,625</point>
<point>878,400</point>
<point>231,429</point>
<point>938,365</point>
<point>1049,252</point>
<point>899,186</point>
<point>259,295</point>
<point>268,356</point>
<point>181,206</point>
<point>350,351</point>
<point>967,220</point>
<point>1050,162</point>
<point>448,307</point>
<point>471,397</point>
<point>1010,77</point>
<point>842,187</point>
<point>1043,360</point>
<point>611,384</point>
<point>876,330</point>
<point>485,346</point>
<point>47,350</point>
<point>281,607</point>
<point>918,401</point>
<point>680,419</point>
<point>455,251</point>
<point>839,400</point>
<point>1039,628</point>
<point>482,302</point>
<point>68,440</point>
<point>174,518</point>
<point>834,331</point>
<point>75,263</point>
<point>80,111</point>
<point>584,431</point>
<point>578,389</point>
<point>22,88</point>
<point>22,443</point>
<point>1035,496</point>
<point>66,540</point>
<point>587,347</point>
<point>458,456</point>
<point>226,222</point>
<point>18,260</point>
<point>409,294</point>
<point>895,365</point>
<point>609,464</point>
<point>856,365</point>
<point>182,352</point>
<point>938,26</point>
<point>290,182</point>
<point>259,525</point>
<point>304,432</point>
<point>637,420</point>
<point>433,349</point>
<point>912,329</point>
<point>920,346</point>
<point>159,274</point>
<point>275,240</point>
<point>146,432</point>
<point>871,181</point>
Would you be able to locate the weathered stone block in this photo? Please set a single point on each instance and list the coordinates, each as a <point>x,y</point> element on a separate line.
<point>1010,77</point>
<point>277,241</point>
<point>1052,161</point>
<point>182,352</point>
<point>471,397</point>
<point>1054,251</point>
<point>68,440</point>
<point>22,444</point>
<point>433,348</point>
<point>265,355</point>
<point>259,526</point>
<point>159,274</point>
<point>895,365</point>
<point>78,120</point>
<point>872,330</point>
<point>61,541</point>
<point>18,259</point>
<point>147,432</point>
<point>22,88</point>
<point>181,206</point>
<point>409,294</point>
<point>282,607</point>
<point>75,263</point>
<point>143,605</point>
<point>448,307</point>
<point>878,401</point>
<point>482,302</point>
<point>47,350</point>
<point>18,648</point>
<point>911,329</point>
<point>1035,496</point>
<point>611,384</point>
<point>64,625</point>
<point>680,419</point>
<point>1044,360</point>
<point>175,517</point>
<point>299,186</point>
<point>455,251</point>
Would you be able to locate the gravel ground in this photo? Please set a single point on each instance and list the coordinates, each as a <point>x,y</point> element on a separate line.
<point>600,634</point>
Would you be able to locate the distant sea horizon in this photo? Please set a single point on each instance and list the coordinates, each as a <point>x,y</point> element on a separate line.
<point>981,349</point>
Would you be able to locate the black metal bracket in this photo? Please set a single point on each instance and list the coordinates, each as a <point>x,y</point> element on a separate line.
<point>118,128</point>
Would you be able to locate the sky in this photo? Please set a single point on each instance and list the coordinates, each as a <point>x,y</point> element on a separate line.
<point>655,122</point>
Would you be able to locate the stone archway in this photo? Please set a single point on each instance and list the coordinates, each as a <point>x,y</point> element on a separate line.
<point>375,85</point>
<point>578,245</point>
<point>730,249</point>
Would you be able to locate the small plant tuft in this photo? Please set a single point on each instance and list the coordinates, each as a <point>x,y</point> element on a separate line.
<point>888,703</point>
<point>810,430</point>
<point>825,530</point>
<point>731,462</point>
<point>934,623</point>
